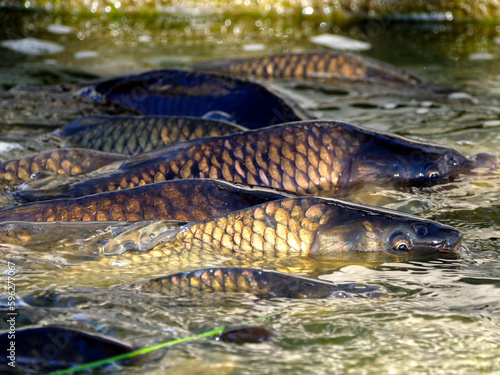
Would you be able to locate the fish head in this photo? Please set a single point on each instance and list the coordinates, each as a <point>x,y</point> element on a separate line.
<point>367,233</point>
<point>388,160</point>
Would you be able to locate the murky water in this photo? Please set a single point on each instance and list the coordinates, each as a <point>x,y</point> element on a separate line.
<point>442,317</point>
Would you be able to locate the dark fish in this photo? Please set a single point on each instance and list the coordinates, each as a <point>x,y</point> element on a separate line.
<point>160,92</point>
<point>46,349</point>
<point>67,162</point>
<point>324,158</point>
<point>134,135</point>
<point>187,200</point>
<point>261,283</point>
<point>245,335</point>
<point>319,65</point>
<point>308,227</point>
<point>180,93</point>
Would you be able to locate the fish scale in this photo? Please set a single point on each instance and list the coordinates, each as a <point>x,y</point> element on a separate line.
<point>67,162</point>
<point>267,158</point>
<point>133,135</point>
<point>273,230</point>
<point>264,284</point>
<point>323,158</point>
<point>272,234</point>
<point>327,65</point>
<point>187,200</point>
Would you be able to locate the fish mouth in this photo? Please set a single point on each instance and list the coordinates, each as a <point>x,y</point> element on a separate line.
<point>484,162</point>
<point>450,245</point>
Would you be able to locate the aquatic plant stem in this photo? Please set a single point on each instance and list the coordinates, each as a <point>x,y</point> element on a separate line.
<point>136,353</point>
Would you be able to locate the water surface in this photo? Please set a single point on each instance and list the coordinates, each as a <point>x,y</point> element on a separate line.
<point>442,317</point>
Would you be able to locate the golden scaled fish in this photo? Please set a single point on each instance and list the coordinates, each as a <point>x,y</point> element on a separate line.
<point>326,158</point>
<point>261,283</point>
<point>187,200</point>
<point>318,65</point>
<point>64,162</point>
<point>291,227</point>
<point>132,135</point>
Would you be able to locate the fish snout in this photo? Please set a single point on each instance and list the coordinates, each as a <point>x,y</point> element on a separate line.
<point>485,160</point>
<point>452,242</point>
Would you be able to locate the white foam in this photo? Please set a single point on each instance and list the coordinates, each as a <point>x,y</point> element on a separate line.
<point>491,123</point>
<point>7,146</point>
<point>58,29</point>
<point>80,55</point>
<point>254,47</point>
<point>340,42</point>
<point>32,46</point>
<point>480,56</point>
<point>459,95</point>
<point>144,39</point>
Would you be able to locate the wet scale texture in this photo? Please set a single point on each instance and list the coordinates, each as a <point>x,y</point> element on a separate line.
<point>133,135</point>
<point>315,65</point>
<point>188,200</point>
<point>319,157</point>
<point>290,227</point>
<point>300,158</point>
<point>68,162</point>
<point>264,284</point>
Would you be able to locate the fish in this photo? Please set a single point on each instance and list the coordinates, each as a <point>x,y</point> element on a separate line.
<point>260,283</point>
<point>39,350</point>
<point>316,65</point>
<point>132,135</point>
<point>292,235</point>
<point>321,228</point>
<point>158,92</point>
<point>186,200</point>
<point>44,349</point>
<point>63,162</point>
<point>323,158</point>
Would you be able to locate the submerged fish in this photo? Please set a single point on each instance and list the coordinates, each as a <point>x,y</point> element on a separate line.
<point>261,283</point>
<point>133,135</point>
<point>188,200</point>
<point>305,227</point>
<point>65,162</point>
<point>39,350</point>
<point>159,92</point>
<point>324,158</point>
<point>319,65</point>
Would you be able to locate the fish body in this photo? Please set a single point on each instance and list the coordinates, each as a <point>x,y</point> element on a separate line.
<point>291,227</point>
<point>64,162</point>
<point>187,200</point>
<point>132,135</point>
<point>325,158</point>
<point>318,65</point>
<point>183,93</point>
<point>67,348</point>
<point>261,283</point>
<point>158,92</point>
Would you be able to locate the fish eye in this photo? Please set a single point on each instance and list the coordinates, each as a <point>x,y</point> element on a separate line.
<point>433,175</point>
<point>400,242</point>
<point>432,171</point>
<point>402,245</point>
